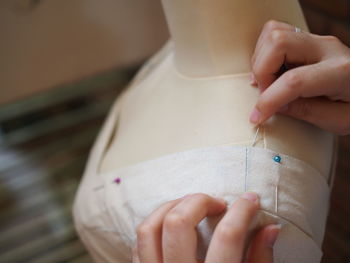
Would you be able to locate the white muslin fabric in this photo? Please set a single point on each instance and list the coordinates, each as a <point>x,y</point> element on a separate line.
<point>292,193</point>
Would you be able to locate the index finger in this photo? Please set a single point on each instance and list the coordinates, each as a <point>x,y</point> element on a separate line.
<point>302,82</point>
<point>179,227</point>
<point>227,244</point>
<point>268,27</point>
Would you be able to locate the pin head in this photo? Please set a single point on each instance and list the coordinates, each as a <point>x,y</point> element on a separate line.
<point>117,180</point>
<point>277,159</point>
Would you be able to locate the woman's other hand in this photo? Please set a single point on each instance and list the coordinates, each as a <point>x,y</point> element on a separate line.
<point>317,87</point>
<point>168,235</point>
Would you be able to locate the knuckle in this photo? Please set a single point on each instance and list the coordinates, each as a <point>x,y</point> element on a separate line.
<point>175,221</point>
<point>279,39</point>
<point>143,230</point>
<point>292,80</point>
<point>272,25</point>
<point>227,233</point>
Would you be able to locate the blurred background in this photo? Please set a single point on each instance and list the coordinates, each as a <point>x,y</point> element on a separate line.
<point>62,64</point>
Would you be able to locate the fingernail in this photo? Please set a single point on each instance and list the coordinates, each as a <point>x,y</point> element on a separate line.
<point>273,233</point>
<point>253,197</point>
<point>221,200</point>
<point>255,116</point>
<point>186,196</point>
<point>253,80</point>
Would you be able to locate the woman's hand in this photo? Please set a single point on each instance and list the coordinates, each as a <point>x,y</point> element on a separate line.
<point>168,235</point>
<point>316,89</point>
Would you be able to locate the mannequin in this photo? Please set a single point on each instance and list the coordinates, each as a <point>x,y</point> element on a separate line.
<point>182,127</point>
<point>207,99</point>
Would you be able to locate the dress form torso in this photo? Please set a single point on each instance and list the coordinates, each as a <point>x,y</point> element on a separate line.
<point>199,94</point>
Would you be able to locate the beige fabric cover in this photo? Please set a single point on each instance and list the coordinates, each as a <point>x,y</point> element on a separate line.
<point>292,193</point>
<point>107,213</point>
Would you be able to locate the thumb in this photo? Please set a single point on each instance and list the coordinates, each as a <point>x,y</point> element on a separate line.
<point>333,116</point>
<point>261,248</point>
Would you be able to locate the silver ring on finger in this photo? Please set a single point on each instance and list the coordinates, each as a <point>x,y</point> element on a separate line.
<point>297,30</point>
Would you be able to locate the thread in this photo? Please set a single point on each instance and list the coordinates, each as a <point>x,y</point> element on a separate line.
<point>276,199</point>
<point>276,193</point>
<point>256,136</point>
<point>246,158</point>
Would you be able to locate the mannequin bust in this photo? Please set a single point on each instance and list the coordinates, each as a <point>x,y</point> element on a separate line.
<point>202,96</point>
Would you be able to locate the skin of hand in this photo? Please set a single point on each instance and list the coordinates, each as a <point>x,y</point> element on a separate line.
<point>317,87</point>
<point>168,235</point>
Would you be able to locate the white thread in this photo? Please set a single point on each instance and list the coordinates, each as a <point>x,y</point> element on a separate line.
<point>256,136</point>
<point>246,158</point>
<point>276,193</point>
<point>276,199</point>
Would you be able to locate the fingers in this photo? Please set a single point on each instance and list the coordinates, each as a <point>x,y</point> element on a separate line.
<point>284,90</point>
<point>261,248</point>
<point>149,232</point>
<point>328,115</point>
<point>169,233</point>
<point>227,244</point>
<point>324,70</point>
<point>280,45</point>
<point>268,27</point>
<point>303,82</point>
<point>179,227</point>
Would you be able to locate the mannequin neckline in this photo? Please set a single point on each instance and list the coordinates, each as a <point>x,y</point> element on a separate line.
<point>170,54</point>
